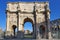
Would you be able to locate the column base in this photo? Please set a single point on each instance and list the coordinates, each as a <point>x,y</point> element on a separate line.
<point>9,34</point>
<point>34,36</point>
<point>38,36</point>
<point>50,37</point>
<point>20,34</point>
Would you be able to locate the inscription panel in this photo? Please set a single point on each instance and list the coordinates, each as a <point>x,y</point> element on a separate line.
<point>26,7</point>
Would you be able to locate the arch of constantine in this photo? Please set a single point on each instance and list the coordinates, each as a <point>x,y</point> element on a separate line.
<point>38,13</point>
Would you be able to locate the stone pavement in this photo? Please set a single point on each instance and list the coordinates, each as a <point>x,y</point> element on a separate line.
<point>28,39</point>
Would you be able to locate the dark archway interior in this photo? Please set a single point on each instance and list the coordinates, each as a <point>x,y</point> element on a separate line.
<point>42,31</point>
<point>14,29</point>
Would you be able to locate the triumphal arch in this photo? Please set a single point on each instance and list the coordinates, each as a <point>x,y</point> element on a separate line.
<point>38,13</point>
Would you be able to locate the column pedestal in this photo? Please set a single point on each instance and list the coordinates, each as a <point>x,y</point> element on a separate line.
<point>20,34</point>
<point>50,37</point>
<point>34,32</point>
<point>38,36</point>
<point>9,34</point>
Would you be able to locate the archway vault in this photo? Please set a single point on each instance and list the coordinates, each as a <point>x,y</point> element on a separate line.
<point>28,20</point>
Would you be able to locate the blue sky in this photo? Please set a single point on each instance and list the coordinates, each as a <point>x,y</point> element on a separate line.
<point>54,7</point>
<point>29,27</point>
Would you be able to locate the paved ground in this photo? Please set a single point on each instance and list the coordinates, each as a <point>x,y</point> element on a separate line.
<point>28,39</point>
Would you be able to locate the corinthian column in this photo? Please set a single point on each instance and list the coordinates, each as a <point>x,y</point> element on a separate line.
<point>49,27</point>
<point>47,19</point>
<point>7,24</point>
<point>20,26</point>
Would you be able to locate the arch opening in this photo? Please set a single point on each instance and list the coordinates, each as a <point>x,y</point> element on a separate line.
<point>14,27</point>
<point>28,28</point>
<point>42,31</point>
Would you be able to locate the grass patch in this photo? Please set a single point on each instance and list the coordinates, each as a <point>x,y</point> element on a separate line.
<point>27,36</point>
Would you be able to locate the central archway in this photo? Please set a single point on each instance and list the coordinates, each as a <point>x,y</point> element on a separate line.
<point>28,33</point>
<point>28,26</point>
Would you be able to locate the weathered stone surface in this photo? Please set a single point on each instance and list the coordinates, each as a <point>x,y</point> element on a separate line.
<point>20,12</point>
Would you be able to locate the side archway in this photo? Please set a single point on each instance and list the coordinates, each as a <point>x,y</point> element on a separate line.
<point>14,27</point>
<point>42,31</point>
